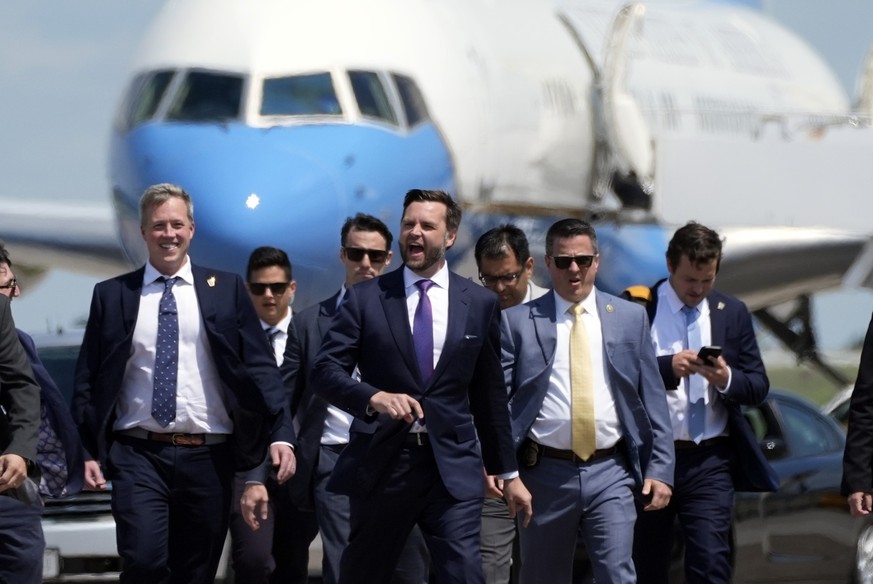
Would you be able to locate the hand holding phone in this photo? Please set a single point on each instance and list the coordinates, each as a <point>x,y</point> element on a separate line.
<point>709,354</point>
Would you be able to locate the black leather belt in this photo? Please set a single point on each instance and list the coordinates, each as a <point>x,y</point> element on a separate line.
<point>415,439</point>
<point>572,456</point>
<point>690,444</point>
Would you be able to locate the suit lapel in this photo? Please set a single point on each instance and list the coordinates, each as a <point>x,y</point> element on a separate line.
<point>717,318</point>
<point>326,312</point>
<point>131,292</point>
<point>393,300</point>
<point>459,307</point>
<point>203,283</point>
<point>542,314</point>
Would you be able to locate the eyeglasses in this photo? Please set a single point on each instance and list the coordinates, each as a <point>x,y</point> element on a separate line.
<point>356,254</point>
<point>507,279</point>
<point>563,262</point>
<point>259,289</point>
<point>10,285</point>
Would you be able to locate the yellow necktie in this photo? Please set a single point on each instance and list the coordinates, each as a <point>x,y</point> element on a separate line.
<point>581,388</point>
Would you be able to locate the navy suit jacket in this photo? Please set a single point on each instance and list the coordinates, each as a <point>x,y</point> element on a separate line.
<point>463,401</point>
<point>19,394</point>
<point>309,410</point>
<point>253,392</point>
<point>58,412</point>
<point>529,337</point>
<point>731,329</point>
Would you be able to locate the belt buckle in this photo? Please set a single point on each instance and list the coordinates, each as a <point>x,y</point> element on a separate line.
<point>181,439</point>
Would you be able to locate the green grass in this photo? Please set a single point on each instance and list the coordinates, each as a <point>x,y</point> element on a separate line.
<point>806,381</point>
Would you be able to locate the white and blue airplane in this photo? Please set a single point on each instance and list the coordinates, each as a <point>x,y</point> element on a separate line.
<point>282,118</point>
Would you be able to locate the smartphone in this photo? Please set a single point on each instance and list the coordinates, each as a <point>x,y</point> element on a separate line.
<point>708,354</point>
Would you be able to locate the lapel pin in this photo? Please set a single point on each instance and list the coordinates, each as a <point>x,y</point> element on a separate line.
<point>210,281</point>
<point>609,308</point>
<point>721,305</point>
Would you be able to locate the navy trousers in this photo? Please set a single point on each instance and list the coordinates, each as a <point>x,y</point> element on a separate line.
<point>702,501</point>
<point>21,542</point>
<point>171,507</point>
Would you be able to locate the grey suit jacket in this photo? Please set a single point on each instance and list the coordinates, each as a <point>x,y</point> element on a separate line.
<point>529,339</point>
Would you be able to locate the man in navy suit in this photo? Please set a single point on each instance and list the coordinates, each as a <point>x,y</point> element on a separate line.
<point>323,432</point>
<point>429,406</point>
<point>60,455</point>
<point>716,450</point>
<point>589,416</point>
<point>21,538</point>
<point>171,441</point>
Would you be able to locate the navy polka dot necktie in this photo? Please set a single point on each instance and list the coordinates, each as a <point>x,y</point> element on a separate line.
<point>166,357</point>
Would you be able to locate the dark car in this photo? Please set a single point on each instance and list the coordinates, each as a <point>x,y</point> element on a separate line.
<point>803,532</point>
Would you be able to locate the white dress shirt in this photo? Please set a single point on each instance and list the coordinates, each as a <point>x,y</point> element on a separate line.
<point>281,339</point>
<point>200,405</point>
<point>669,330</point>
<point>553,425</point>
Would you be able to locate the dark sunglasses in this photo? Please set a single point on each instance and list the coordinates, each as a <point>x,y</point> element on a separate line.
<point>10,285</point>
<point>507,279</point>
<point>356,254</point>
<point>563,262</point>
<point>275,287</point>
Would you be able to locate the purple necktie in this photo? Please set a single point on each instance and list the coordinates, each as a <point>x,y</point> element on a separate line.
<point>422,331</point>
<point>166,358</point>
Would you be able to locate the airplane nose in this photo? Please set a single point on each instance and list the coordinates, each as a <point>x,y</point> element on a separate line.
<point>252,193</point>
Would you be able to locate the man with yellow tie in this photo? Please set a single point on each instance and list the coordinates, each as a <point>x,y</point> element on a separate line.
<point>589,415</point>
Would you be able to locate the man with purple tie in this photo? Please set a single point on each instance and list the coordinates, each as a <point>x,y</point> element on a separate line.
<point>428,408</point>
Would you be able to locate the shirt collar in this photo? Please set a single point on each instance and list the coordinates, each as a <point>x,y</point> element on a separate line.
<point>151,274</point>
<point>441,278</point>
<point>282,325</point>
<point>589,303</point>
<point>666,293</point>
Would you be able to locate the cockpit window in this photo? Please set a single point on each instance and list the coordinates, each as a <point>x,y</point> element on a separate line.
<point>413,101</point>
<point>143,97</point>
<point>300,95</point>
<point>371,95</point>
<point>204,97</point>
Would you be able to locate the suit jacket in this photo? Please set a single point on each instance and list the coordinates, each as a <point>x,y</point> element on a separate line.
<point>463,401</point>
<point>858,456</point>
<point>253,391</point>
<point>58,412</point>
<point>731,329</point>
<point>529,337</point>
<point>19,394</point>
<point>308,409</point>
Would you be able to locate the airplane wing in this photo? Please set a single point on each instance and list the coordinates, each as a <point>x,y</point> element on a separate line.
<point>765,266</point>
<point>76,236</point>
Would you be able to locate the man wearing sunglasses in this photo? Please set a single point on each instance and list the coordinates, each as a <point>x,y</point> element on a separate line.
<point>365,252</point>
<point>505,267</point>
<point>278,548</point>
<point>589,415</point>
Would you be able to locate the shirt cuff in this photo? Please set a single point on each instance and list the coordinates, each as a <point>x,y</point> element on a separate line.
<point>508,475</point>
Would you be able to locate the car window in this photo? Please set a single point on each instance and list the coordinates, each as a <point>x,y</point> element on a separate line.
<point>805,433</point>
<point>61,365</point>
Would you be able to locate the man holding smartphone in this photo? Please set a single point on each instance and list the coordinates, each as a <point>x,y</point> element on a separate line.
<point>710,365</point>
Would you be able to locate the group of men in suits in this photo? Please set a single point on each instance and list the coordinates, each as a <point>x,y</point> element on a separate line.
<point>403,388</point>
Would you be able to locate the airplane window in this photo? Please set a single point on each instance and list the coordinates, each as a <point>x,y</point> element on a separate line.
<point>300,95</point>
<point>372,98</point>
<point>205,97</point>
<point>413,101</point>
<point>143,97</point>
